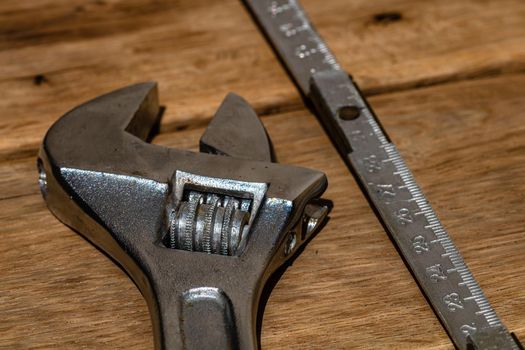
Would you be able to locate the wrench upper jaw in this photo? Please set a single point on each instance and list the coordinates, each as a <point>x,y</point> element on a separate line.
<point>108,134</point>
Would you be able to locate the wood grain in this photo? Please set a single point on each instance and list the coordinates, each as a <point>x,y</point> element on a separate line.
<point>448,85</point>
<point>55,54</point>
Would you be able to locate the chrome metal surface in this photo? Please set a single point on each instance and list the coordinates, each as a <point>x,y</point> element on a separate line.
<point>227,217</point>
<point>427,248</point>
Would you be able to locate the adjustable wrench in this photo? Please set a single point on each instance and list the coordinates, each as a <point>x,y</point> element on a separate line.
<point>198,233</point>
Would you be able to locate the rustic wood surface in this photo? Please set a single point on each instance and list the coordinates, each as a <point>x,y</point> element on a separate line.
<point>446,78</point>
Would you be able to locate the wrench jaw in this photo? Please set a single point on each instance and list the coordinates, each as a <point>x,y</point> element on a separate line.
<point>123,194</point>
<point>236,131</point>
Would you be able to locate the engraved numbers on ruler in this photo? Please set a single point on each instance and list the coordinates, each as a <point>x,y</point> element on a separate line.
<point>386,191</point>
<point>404,216</point>
<point>358,135</point>
<point>290,30</point>
<point>276,8</point>
<point>303,51</point>
<point>372,164</point>
<point>453,301</point>
<point>420,245</point>
<point>436,273</point>
<point>292,23</point>
<point>468,329</point>
<point>409,210</point>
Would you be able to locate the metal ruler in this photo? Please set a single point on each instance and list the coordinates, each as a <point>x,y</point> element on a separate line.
<point>428,250</point>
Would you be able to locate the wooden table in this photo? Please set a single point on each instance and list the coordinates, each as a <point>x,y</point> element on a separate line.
<point>445,77</point>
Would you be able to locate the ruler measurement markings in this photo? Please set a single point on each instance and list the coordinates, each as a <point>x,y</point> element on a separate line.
<point>443,238</point>
<point>307,57</point>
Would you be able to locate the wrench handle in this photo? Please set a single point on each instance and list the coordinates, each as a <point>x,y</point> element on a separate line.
<point>203,318</point>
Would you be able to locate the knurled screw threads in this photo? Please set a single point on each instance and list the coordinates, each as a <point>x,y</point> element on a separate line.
<point>209,223</point>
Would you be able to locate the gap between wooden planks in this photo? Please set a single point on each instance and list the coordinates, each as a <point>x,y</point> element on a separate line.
<point>55,54</point>
<point>349,289</point>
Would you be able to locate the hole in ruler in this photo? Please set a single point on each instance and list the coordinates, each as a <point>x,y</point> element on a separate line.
<point>348,112</point>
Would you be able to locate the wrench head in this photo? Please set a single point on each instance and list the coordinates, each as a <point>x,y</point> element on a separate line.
<point>198,233</point>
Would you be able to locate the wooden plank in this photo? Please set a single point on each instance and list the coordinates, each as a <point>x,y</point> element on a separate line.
<point>57,54</point>
<point>349,289</point>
